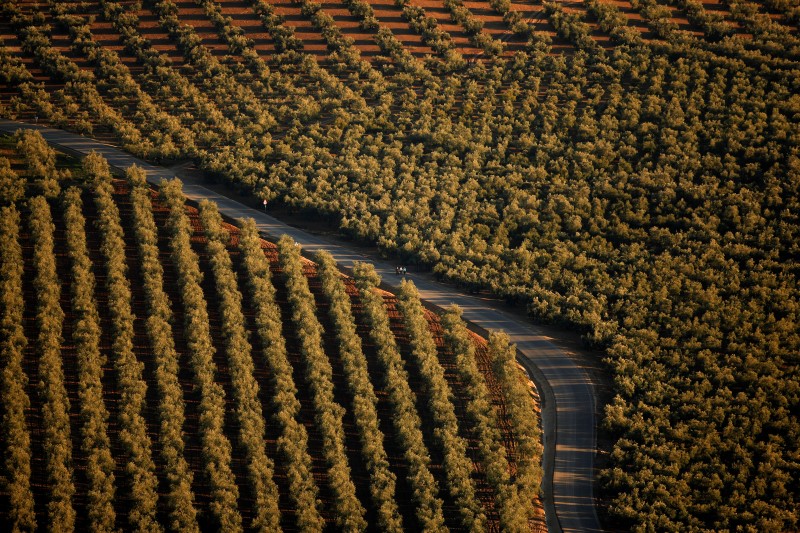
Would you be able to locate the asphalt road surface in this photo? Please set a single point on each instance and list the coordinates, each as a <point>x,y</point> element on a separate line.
<point>567,392</point>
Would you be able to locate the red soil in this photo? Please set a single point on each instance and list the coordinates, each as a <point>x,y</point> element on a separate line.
<point>243,16</point>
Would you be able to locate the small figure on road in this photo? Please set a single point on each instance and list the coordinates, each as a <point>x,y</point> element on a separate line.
<point>397,269</point>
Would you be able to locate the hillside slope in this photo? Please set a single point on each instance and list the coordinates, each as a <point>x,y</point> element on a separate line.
<point>629,169</point>
<point>194,375</point>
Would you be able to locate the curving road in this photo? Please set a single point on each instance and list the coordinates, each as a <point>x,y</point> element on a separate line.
<point>568,394</point>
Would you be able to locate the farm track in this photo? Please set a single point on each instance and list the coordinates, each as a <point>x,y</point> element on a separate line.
<point>569,406</point>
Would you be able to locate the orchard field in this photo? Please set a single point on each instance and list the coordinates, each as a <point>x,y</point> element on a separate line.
<point>166,370</point>
<point>628,168</point>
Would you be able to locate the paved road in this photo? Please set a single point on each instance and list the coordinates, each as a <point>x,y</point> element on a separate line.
<point>568,395</point>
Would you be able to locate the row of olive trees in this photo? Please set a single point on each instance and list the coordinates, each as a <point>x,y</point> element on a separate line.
<point>772,36</point>
<point>405,417</point>
<point>86,336</point>
<point>241,367</point>
<point>382,479</point>
<point>293,440</point>
<point>789,10</point>
<point>81,84</point>
<point>166,137</point>
<point>519,407</point>
<point>40,166</point>
<point>216,446</point>
<point>457,466</point>
<point>132,387</point>
<point>713,24</point>
<point>171,407</point>
<point>473,26</point>
<point>13,381</point>
<point>767,41</point>
<point>513,18</point>
<point>411,68</point>
<point>230,124</point>
<point>392,47</point>
<point>265,78</point>
<point>58,108</point>
<point>167,85</point>
<point>319,376</point>
<point>282,34</point>
<point>386,40</point>
<point>343,49</point>
<point>260,114</point>
<point>236,39</point>
<point>301,100</point>
<point>55,410</point>
<point>236,99</point>
<point>439,40</point>
<point>12,185</point>
<point>364,12</point>
<point>612,21</point>
<point>513,511</point>
<point>237,121</point>
<point>571,26</point>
